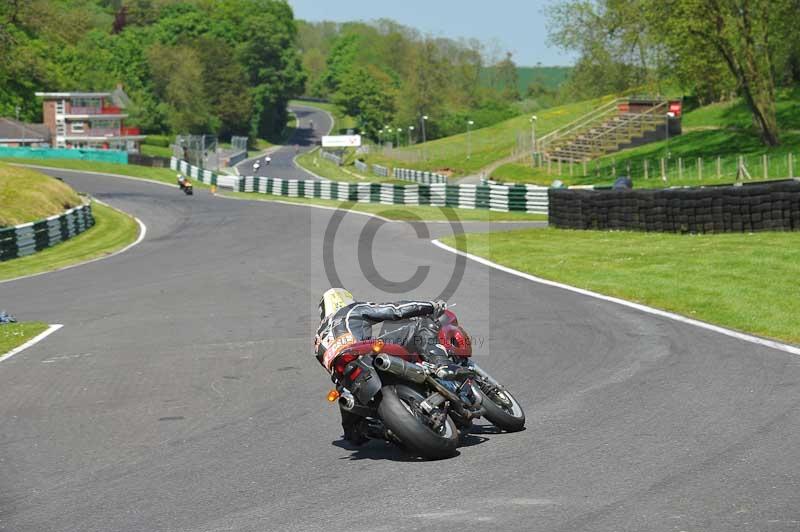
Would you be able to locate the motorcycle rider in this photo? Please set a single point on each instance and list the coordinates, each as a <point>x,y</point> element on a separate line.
<point>344,321</point>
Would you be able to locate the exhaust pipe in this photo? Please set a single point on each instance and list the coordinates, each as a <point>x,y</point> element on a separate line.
<point>399,367</point>
<point>347,402</point>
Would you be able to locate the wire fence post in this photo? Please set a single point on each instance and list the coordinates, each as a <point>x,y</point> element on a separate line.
<point>663,171</point>
<point>765,165</point>
<point>549,164</point>
<point>584,166</point>
<point>700,168</point>
<point>719,167</point>
<point>559,166</point>
<point>645,169</point>
<point>680,168</point>
<point>570,167</point>
<point>791,165</point>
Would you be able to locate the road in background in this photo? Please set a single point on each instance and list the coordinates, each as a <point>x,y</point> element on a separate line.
<point>182,394</point>
<point>313,124</point>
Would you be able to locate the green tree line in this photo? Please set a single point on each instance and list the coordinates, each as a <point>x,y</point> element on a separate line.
<point>387,74</point>
<point>711,49</point>
<point>225,66</point>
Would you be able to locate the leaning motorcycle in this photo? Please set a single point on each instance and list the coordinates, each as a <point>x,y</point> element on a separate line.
<point>421,406</point>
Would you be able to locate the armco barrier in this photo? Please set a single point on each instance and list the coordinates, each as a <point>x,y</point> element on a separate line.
<point>522,198</point>
<point>380,170</point>
<point>332,157</point>
<point>29,238</point>
<point>361,166</point>
<point>418,176</point>
<point>771,206</point>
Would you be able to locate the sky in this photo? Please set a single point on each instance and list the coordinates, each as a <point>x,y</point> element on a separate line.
<point>517,26</point>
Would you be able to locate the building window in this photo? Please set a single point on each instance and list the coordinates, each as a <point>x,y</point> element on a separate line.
<point>78,127</point>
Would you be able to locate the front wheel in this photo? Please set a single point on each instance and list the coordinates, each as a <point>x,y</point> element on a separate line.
<point>502,409</point>
<point>420,432</point>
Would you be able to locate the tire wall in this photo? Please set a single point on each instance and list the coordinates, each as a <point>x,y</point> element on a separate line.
<point>771,206</point>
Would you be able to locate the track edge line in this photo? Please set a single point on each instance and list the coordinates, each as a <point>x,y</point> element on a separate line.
<point>774,344</point>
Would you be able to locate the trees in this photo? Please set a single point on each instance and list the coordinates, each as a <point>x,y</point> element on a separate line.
<point>367,93</point>
<point>708,46</point>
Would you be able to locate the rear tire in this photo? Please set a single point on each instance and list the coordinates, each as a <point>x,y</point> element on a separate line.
<point>400,414</point>
<point>505,415</point>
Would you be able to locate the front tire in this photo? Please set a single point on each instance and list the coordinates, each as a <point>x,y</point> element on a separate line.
<point>400,412</point>
<point>502,409</point>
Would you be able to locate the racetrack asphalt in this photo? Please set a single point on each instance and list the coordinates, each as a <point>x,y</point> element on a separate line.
<point>182,394</point>
<point>313,124</point>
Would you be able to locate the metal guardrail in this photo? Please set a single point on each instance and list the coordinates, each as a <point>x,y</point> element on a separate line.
<point>27,239</point>
<point>332,157</point>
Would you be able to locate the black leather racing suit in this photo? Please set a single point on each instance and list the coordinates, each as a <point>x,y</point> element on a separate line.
<point>354,323</point>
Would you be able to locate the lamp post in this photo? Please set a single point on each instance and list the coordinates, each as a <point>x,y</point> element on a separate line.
<point>470,123</point>
<point>410,130</point>
<point>424,138</point>
<point>397,135</point>
<point>533,139</point>
<point>380,137</point>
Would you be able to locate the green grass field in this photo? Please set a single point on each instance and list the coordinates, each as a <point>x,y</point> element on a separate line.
<point>164,175</point>
<point>112,231</point>
<point>742,281</point>
<point>400,212</point>
<point>313,162</point>
<point>467,153</point>
<point>28,196</point>
<point>15,334</point>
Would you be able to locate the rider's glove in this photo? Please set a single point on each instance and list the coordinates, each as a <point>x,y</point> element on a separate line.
<point>439,307</point>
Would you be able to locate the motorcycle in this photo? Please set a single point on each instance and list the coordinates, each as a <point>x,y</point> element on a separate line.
<point>423,407</point>
<point>186,186</point>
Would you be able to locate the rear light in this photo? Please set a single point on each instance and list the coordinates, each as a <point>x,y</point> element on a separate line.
<point>342,361</point>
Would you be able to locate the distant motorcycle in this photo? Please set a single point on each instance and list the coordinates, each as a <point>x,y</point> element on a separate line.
<point>185,185</point>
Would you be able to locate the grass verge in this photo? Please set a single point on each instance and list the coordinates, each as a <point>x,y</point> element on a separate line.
<point>112,231</point>
<point>741,281</point>
<point>28,196</point>
<point>15,334</point>
<point>313,162</point>
<point>401,212</point>
<point>165,175</point>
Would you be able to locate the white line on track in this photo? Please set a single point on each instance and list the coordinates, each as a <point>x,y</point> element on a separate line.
<point>142,234</point>
<point>643,308</point>
<point>33,341</point>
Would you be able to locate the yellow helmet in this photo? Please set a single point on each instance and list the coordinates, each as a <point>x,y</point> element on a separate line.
<point>333,300</point>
